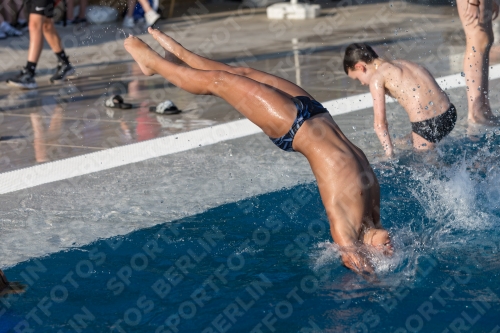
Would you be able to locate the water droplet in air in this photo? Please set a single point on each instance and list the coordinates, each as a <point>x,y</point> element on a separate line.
<point>354,127</point>
<point>462,74</point>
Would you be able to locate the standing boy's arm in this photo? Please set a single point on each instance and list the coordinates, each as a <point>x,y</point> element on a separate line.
<point>377,90</point>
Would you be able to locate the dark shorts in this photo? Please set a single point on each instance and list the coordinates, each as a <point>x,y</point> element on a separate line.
<point>41,7</point>
<point>306,108</point>
<point>435,129</point>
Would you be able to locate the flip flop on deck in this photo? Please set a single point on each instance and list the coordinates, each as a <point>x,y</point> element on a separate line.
<point>116,102</point>
<point>166,107</point>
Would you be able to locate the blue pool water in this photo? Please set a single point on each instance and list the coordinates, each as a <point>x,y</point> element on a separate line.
<point>267,264</point>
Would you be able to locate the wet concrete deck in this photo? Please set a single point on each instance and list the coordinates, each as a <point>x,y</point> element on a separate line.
<point>59,121</point>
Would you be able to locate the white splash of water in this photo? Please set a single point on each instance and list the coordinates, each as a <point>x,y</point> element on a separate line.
<point>457,201</point>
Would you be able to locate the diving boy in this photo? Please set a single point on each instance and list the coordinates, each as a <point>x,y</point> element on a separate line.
<point>431,114</point>
<point>294,121</point>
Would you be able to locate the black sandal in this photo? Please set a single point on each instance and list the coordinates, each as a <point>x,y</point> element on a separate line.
<point>116,102</point>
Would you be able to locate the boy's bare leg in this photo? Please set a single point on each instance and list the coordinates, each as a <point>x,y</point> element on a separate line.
<point>131,7</point>
<point>70,8</point>
<point>479,38</point>
<point>36,37</point>
<point>83,8</point>
<point>196,61</point>
<point>272,110</point>
<point>51,35</point>
<point>21,9</point>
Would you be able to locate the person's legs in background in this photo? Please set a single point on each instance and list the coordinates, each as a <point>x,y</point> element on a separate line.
<point>41,25</point>
<point>64,67</point>
<point>22,19</point>
<point>26,79</point>
<point>81,14</point>
<point>150,14</point>
<point>2,34</point>
<point>8,15</point>
<point>479,38</point>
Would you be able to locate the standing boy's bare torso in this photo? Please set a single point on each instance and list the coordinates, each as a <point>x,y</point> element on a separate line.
<point>414,88</point>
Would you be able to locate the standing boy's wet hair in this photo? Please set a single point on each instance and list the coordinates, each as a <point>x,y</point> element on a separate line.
<point>358,52</point>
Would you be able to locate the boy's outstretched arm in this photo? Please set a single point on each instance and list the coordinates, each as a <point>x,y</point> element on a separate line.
<point>377,90</point>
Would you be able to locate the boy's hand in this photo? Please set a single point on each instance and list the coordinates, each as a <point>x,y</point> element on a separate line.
<point>357,262</point>
<point>471,13</point>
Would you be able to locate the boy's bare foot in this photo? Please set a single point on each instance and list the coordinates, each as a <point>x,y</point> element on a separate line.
<point>484,116</point>
<point>167,42</point>
<point>142,54</point>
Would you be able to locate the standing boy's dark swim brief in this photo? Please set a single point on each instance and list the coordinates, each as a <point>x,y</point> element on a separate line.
<point>41,7</point>
<point>435,129</point>
<point>306,108</point>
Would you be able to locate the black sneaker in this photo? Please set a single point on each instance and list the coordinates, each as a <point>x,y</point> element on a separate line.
<point>25,80</point>
<point>62,71</point>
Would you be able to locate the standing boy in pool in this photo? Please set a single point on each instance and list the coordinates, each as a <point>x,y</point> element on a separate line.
<point>295,122</point>
<point>431,114</point>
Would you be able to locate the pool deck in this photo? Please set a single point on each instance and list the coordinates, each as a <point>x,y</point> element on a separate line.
<point>56,122</point>
<point>59,121</point>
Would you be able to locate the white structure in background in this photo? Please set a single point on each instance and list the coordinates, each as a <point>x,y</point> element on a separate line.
<point>293,11</point>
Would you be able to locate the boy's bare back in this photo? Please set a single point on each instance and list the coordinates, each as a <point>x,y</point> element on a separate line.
<point>413,87</point>
<point>431,114</point>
